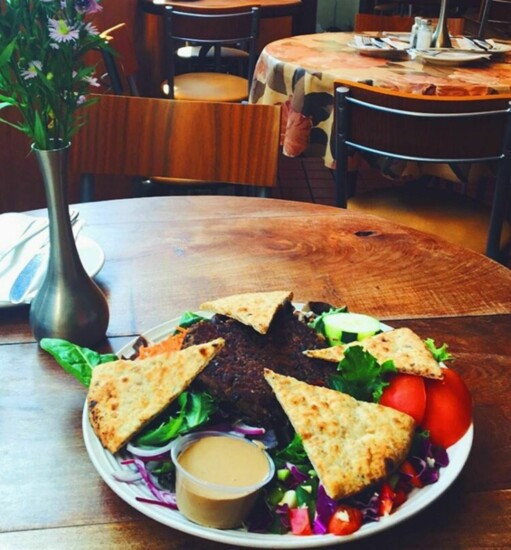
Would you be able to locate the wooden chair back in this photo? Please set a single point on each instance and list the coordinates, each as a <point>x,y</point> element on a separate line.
<point>426,129</point>
<point>211,142</point>
<point>399,23</point>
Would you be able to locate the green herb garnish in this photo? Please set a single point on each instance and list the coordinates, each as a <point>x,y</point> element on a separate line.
<point>360,375</point>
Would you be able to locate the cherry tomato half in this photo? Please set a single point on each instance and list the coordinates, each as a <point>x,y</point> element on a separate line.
<point>406,393</point>
<point>346,520</point>
<point>448,409</point>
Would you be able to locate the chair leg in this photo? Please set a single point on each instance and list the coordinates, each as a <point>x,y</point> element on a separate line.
<point>263,192</point>
<point>86,188</point>
<point>498,212</point>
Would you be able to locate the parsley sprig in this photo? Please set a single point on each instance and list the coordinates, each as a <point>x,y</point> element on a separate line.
<point>360,375</point>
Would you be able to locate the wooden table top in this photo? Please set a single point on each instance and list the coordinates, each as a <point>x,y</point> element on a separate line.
<point>165,255</point>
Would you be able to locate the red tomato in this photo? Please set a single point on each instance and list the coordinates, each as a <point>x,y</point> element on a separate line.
<point>406,393</point>
<point>300,522</point>
<point>448,409</point>
<point>346,520</point>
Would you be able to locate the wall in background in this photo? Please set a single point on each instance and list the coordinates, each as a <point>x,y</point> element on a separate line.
<point>336,14</point>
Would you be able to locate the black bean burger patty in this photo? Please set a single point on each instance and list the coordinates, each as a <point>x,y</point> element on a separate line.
<point>235,376</point>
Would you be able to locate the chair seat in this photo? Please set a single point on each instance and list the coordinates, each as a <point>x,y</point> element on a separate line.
<point>209,87</point>
<point>454,217</point>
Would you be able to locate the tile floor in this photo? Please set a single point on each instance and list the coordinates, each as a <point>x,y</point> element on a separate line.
<point>308,180</point>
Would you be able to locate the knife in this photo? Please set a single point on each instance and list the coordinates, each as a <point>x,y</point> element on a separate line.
<point>27,276</point>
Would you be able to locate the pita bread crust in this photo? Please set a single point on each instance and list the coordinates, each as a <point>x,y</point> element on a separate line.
<point>350,443</point>
<point>408,351</point>
<point>125,395</point>
<point>255,309</point>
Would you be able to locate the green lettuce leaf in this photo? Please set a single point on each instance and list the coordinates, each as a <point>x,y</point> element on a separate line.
<point>440,354</point>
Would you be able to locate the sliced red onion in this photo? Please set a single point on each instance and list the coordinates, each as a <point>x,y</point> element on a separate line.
<point>172,506</point>
<point>127,476</point>
<point>162,496</point>
<point>149,452</point>
<point>245,429</point>
<point>297,476</point>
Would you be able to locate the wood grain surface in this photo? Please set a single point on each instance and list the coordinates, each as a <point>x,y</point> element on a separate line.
<point>165,255</point>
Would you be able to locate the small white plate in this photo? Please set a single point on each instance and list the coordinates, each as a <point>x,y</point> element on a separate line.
<point>451,57</point>
<point>92,257</point>
<point>107,464</point>
<point>375,51</point>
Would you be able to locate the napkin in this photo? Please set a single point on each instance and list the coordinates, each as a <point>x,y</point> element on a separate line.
<point>464,43</point>
<point>14,228</point>
<point>366,41</point>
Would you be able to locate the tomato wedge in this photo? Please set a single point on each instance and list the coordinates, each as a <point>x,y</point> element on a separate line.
<point>346,520</point>
<point>406,393</point>
<point>448,409</point>
<point>300,522</point>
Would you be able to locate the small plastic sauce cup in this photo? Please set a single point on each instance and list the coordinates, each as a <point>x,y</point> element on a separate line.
<point>218,477</point>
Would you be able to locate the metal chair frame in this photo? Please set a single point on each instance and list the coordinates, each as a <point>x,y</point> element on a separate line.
<point>488,17</point>
<point>344,142</point>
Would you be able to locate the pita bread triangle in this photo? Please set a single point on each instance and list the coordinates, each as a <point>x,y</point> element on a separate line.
<point>125,395</point>
<point>408,351</point>
<point>351,444</point>
<point>255,309</point>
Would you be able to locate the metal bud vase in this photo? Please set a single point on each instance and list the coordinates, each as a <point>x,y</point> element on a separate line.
<point>441,38</point>
<point>69,304</point>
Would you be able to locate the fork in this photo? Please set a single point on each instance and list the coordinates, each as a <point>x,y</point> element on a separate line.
<point>368,41</point>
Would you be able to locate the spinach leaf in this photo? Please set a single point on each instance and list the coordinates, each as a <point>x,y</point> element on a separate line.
<point>294,453</point>
<point>360,375</point>
<point>75,359</point>
<point>189,318</point>
<point>193,410</point>
<point>440,354</point>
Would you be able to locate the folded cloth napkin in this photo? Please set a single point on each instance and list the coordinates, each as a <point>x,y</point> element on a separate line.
<point>21,237</point>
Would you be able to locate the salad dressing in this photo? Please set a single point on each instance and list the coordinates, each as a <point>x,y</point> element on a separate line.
<point>218,478</point>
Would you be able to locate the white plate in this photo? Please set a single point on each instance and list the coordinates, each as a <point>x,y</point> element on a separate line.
<point>374,51</point>
<point>451,57</point>
<point>106,464</point>
<point>92,257</point>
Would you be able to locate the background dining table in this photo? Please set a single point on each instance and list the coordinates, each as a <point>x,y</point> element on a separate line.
<point>299,73</point>
<point>168,255</point>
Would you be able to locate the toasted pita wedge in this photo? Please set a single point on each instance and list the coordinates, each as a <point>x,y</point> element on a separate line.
<point>125,395</point>
<point>350,443</point>
<point>255,309</point>
<point>408,351</point>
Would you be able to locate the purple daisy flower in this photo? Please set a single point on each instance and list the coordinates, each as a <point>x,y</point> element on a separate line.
<point>91,29</point>
<point>60,31</point>
<point>32,69</point>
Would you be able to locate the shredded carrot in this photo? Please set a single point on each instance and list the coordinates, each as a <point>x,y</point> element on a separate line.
<point>172,343</point>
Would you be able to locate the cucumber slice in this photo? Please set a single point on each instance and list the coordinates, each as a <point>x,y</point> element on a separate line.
<point>343,328</point>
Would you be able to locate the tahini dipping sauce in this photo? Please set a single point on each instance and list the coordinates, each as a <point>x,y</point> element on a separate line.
<point>218,477</point>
